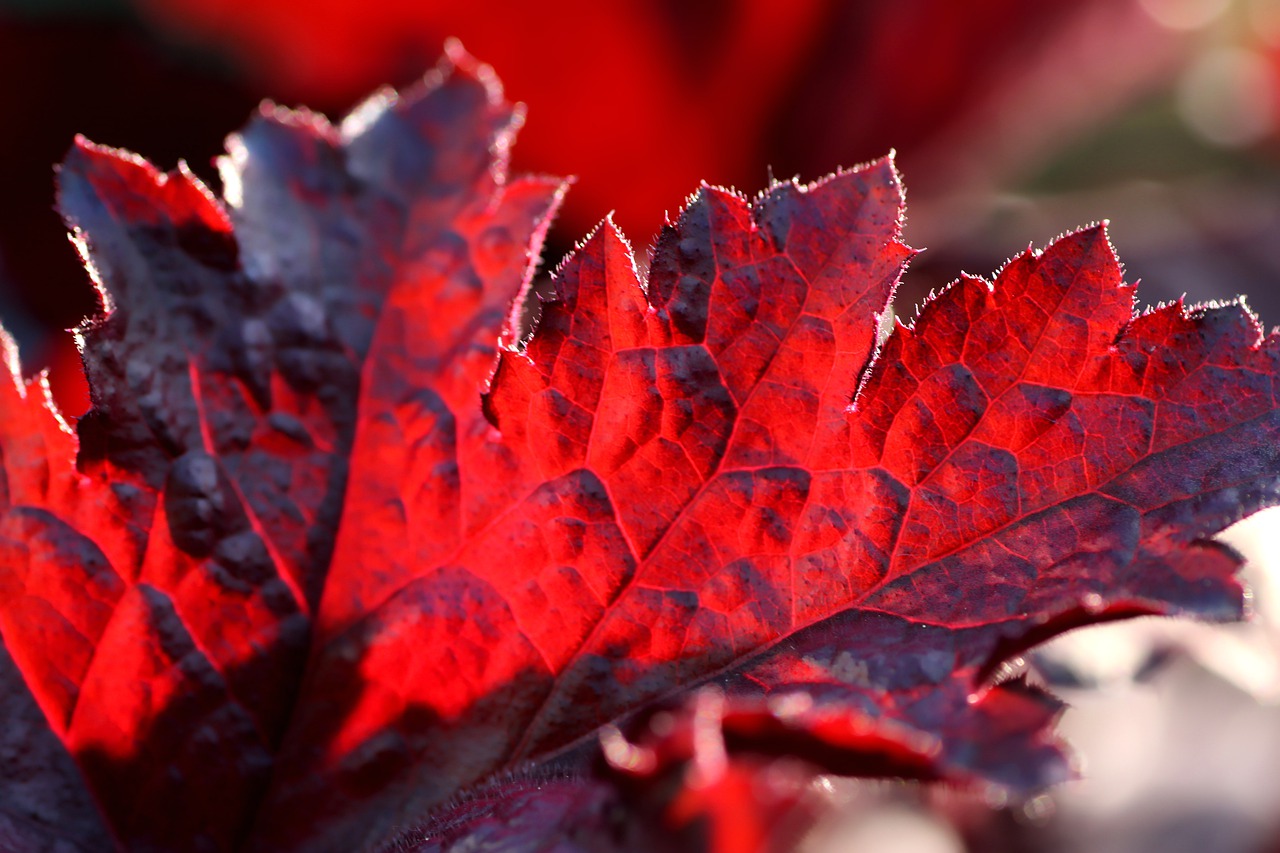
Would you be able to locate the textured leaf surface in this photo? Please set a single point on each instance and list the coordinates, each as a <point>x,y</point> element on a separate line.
<point>301,576</point>
<point>161,589</point>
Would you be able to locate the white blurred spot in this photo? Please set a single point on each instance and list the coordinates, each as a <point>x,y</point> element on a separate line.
<point>1228,97</point>
<point>231,168</point>
<point>1038,811</point>
<point>1184,14</point>
<point>893,828</point>
<point>1107,653</point>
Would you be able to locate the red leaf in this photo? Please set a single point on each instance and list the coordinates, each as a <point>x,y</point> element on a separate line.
<point>736,776</point>
<point>160,598</point>
<point>296,590</point>
<point>701,773</point>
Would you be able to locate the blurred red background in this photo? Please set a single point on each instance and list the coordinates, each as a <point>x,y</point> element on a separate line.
<point>1013,122</point>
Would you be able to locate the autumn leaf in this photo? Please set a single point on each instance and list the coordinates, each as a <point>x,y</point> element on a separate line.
<point>313,566</point>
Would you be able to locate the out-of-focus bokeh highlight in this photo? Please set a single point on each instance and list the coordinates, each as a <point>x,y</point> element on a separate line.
<point>1013,121</point>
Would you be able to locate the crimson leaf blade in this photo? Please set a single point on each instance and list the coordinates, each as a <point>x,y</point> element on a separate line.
<point>305,579</point>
